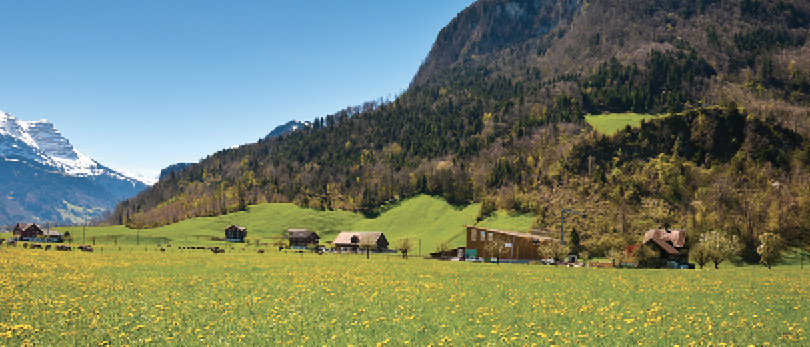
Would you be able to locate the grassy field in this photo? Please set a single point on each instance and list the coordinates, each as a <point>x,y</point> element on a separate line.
<point>196,297</point>
<point>610,124</point>
<point>508,221</point>
<point>427,219</point>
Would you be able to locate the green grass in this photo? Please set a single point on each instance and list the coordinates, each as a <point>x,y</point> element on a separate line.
<point>199,298</point>
<point>509,221</point>
<point>426,218</point>
<point>610,124</point>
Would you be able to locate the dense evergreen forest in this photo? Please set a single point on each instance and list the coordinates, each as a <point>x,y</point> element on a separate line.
<point>495,116</point>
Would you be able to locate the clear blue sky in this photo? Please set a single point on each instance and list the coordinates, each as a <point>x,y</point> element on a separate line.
<point>139,85</point>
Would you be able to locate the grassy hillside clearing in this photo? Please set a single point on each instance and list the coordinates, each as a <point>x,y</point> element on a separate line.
<point>426,218</point>
<point>610,124</point>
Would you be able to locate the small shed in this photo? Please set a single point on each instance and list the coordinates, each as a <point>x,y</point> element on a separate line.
<point>301,238</point>
<point>235,233</point>
<point>51,236</point>
<point>349,241</point>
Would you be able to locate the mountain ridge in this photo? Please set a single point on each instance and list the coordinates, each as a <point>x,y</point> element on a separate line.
<point>41,169</point>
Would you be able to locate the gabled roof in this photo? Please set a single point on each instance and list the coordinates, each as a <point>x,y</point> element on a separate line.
<point>517,234</point>
<point>235,227</point>
<point>25,226</point>
<point>345,237</point>
<point>301,233</point>
<point>669,240</point>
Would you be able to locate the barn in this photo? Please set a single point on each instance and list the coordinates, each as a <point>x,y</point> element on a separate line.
<point>669,243</point>
<point>301,238</point>
<point>350,241</point>
<point>235,233</point>
<point>32,232</point>
<point>516,246</point>
<point>24,231</point>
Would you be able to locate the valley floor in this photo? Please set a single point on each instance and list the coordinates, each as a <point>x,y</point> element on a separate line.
<point>242,297</point>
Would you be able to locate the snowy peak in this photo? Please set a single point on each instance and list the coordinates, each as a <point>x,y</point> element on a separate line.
<point>44,178</point>
<point>41,142</point>
<point>49,140</point>
<point>41,135</point>
<point>11,126</point>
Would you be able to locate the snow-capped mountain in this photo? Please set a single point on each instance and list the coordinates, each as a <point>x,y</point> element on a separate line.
<point>39,165</point>
<point>41,141</point>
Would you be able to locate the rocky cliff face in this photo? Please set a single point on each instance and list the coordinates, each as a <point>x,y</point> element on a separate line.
<point>45,179</point>
<point>41,141</point>
<point>488,27</point>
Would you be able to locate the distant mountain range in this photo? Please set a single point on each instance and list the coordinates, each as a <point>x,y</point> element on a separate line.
<point>44,179</point>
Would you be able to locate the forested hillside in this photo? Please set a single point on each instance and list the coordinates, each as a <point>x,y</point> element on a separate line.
<point>495,115</point>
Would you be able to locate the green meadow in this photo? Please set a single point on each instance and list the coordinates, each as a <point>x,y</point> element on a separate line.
<point>428,220</point>
<point>182,297</point>
<point>610,124</point>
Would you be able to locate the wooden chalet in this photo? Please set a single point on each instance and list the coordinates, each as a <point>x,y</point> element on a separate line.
<point>301,238</point>
<point>349,241</point>
<point>235,233</point>
<point>669,243</point>
<point>517,246</point>
<point>32,232</point>
<point>26,230</point>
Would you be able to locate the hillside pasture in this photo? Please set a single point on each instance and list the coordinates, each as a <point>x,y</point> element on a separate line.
<point>429,220</point>
<point>611,123</point>
<point>199,298</point>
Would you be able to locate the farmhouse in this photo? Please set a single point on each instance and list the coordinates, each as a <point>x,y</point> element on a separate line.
<point>301,238</point>
<point>235,233</point>
<point>349,241</point>
<point>32,232</point>
<point>516,246</point>
<point>670,244</point>
<point>26,230</point>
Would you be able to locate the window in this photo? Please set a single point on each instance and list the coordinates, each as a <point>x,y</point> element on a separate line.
<point>473,233</point>
<point>491,237</point>
<point>483,236</point>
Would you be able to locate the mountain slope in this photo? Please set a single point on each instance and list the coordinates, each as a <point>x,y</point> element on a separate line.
<point>173,168</point>
<point>287,128</point>
<point>495,115</point>
<point>45,179</point>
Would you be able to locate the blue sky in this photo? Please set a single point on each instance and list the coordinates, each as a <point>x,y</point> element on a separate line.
<point>139,85</point>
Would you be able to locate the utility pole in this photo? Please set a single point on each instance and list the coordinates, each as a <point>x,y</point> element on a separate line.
<point>562,222</point>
